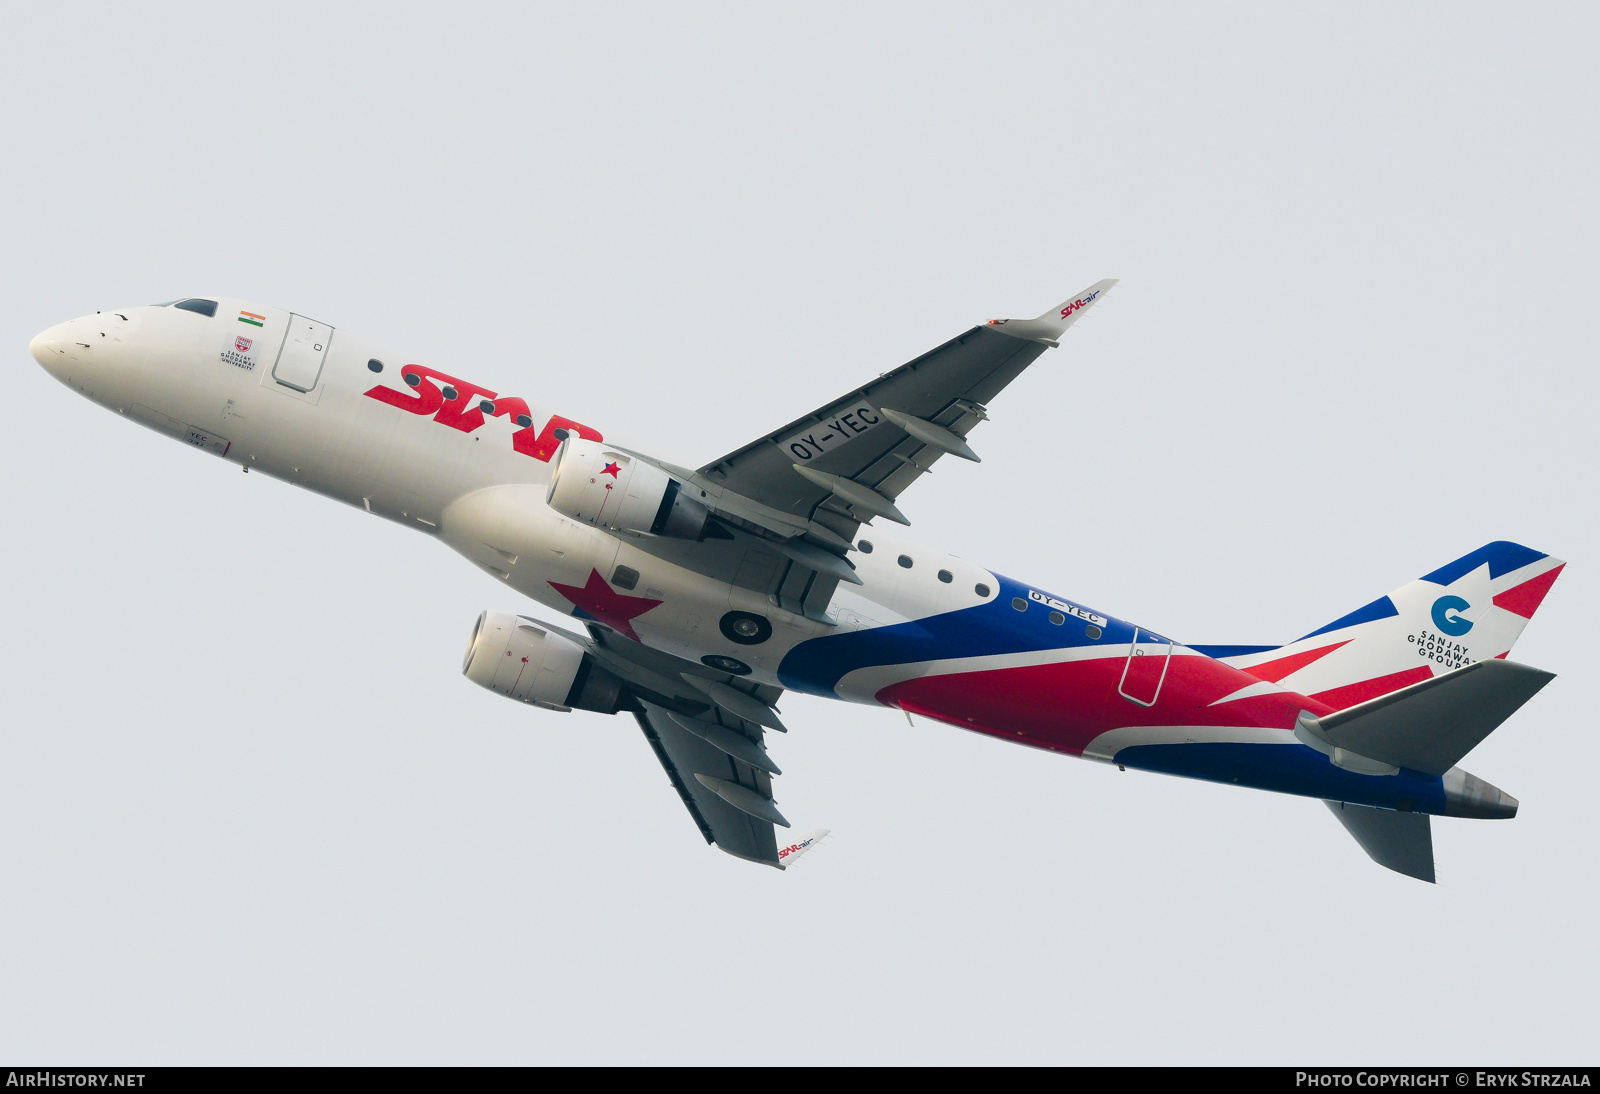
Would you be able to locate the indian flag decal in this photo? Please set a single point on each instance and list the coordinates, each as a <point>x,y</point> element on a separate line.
<point>252,318</point>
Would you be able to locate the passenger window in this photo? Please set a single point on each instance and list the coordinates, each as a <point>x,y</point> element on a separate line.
<point>1018,603</point>
<point>981,590</point>
<point>905,560</point>
<point>625,577</point>
<point>1092,631</point>
<point>946,576</point>
<point>865,546</point>
<point>524,421</point>
<point>375,365</point>
<point>207,308</point>
<point>1057,618</point>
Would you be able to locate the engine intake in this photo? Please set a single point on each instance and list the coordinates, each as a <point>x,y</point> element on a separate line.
<point>609,489</point>
<point>513,656</point>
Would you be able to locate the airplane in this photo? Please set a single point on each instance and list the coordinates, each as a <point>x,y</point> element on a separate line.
<point>691,599</point>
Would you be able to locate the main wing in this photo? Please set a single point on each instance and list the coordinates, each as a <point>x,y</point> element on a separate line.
<point>790,503</point>
<point>885,435</point>
<point>706,730</point>
<point>710,780</point>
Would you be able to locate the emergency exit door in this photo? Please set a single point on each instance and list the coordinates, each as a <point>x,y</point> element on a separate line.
<point>305,347</point>
<point>1146,668</point>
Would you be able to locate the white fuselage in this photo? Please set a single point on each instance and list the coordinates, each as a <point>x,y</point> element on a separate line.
<point>230,384</point>
<point>282,394</point>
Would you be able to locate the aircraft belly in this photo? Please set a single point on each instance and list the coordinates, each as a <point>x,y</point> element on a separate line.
<point>1288,769</point>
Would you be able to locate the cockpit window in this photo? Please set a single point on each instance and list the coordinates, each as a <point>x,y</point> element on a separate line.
<point>164,304</point>
<point>207,308</point>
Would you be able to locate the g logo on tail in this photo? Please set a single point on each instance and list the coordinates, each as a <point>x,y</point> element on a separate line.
<point>1453,625</point>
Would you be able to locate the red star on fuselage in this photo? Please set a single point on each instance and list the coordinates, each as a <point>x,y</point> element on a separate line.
<point>610,469</point>
<point>597,600</point>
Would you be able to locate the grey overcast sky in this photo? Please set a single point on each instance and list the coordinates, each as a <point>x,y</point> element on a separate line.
<point>251,812</point>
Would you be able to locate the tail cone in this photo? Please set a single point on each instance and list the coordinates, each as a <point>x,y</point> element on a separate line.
<point>1466,795</point>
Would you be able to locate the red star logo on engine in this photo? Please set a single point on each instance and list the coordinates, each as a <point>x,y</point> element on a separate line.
<point>610,469</point>
<point>600,602</point>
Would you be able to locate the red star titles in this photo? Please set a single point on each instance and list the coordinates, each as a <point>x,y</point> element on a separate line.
<point>600,602</point>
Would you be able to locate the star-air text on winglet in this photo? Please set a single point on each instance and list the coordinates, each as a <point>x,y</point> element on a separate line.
<point>1050,326</point>
<point>787,855</point>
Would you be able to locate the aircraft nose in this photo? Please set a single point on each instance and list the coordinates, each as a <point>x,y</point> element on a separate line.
<point>49,347</point>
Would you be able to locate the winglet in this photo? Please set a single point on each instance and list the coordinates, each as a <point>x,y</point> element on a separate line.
<point>787,855</point>
<point>1050,326</point>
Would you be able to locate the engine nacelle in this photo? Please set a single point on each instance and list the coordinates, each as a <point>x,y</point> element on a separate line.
<point>515,657</point>
<point>609,489</point>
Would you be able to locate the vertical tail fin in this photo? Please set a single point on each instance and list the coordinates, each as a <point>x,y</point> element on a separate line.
<point>1472,609</point>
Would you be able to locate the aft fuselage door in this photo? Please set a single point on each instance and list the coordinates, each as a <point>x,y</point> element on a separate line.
<point>1145,669</point>
<point>305,347</point>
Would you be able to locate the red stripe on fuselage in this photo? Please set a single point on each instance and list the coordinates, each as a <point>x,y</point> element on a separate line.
<point>1276,670</point>
<point>1064,705</point>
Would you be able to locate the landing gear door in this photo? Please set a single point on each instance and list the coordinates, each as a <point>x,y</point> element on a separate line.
<point>1146,668</point>
<point>305,347</point>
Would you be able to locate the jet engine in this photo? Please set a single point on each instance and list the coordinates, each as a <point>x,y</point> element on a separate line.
<point>514,656</point>
<point>609,489</point>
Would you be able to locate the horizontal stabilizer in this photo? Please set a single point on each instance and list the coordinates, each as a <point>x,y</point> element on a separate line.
<point>1430,725</point>
<point>1401,841</point>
